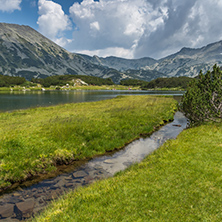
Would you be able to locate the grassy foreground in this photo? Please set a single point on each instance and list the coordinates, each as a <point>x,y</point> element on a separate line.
<point>35,140</point>
<point>181,181</point>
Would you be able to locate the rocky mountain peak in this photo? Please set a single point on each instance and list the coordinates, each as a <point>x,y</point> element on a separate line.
<point>25,52</point>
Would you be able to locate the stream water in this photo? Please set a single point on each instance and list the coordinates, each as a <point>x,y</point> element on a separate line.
<point>26,202</point>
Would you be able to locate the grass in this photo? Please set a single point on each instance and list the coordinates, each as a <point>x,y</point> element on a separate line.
<point>165,89</point>
<point>89,87</point>
<point>36,140</point>
<point>103,87</point>
<point>181,181</point>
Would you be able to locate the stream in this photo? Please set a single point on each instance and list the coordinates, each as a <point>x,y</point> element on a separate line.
<point>26,202</point>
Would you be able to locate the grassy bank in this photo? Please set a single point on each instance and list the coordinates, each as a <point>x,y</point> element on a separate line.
<point>35,140</point>
<point>181,181</point>
<point>89,87</point>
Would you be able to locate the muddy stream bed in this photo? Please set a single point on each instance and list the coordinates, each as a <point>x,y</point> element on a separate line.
<point>26,202</point>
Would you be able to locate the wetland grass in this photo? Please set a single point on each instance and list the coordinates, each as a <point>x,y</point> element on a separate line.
<point>35,140</point>
<point>181,181</point>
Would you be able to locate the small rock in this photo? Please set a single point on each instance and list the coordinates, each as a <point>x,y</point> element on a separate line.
<point>37,195</point>
<point>68,178</point>
<point>69,185</point>
<point>41,201</point>
<point>38,209</point>
<point>16,194</point>
<point>47,183</point>
<point>80,174</point>
<point>59,184</point>
<point>108,161</point>
<point>55,194</point>
<point>14,200</point>
<point>25,209</point>
<point>88,179</point>
<point>7,210</point>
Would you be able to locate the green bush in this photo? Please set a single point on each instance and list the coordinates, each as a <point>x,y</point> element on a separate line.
<point>6,81</point>
<point>203,99</point>
<point>173,82</point>
<point>132,82</point>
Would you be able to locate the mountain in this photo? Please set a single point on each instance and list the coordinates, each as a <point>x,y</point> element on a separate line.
<point>120,64</point>
<point>25,52</point>
<point>189,62</point>
<point>186,62</point>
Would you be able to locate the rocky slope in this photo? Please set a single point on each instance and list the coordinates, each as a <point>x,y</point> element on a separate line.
<point>186,62</point>
<point>120,64</point>
<point>25,52</point>
<point>189,62</point>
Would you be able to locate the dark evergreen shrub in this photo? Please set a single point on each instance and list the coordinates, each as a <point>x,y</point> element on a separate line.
<point>203,99</point>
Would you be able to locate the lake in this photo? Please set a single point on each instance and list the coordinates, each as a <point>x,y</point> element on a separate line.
<point>16,100</point>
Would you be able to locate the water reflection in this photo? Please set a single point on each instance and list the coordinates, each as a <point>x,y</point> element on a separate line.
<point>14,100</point>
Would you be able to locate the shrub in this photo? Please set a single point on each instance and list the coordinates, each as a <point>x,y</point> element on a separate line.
<point>173,82</point>
<point>203,99</point>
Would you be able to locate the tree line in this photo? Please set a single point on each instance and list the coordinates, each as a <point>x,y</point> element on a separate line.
<point>61,80</point>
<point>7,81</point>
<point>172,82</point>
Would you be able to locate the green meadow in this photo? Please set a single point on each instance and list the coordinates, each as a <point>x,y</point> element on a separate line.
<point>36,140</point>
<point>181,181</point>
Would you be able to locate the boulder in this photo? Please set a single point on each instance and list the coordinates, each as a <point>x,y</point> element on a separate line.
<point>25,209</point>
<point>6,210</point>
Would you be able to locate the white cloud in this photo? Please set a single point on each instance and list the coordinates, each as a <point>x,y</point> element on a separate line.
<point>52,20</point>
<point>116,24</point>
<point>191,23</point>
<point>133,29</point>
<point>113,51</point>
<point>63,41</point>
<point>10,5</point>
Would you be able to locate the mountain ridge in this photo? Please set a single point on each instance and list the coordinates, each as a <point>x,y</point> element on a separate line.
<point>25,52</point>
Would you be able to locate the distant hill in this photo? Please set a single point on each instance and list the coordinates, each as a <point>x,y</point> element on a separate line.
<point>25,52</point>
<point>120,64</point>
<point>186,62</point>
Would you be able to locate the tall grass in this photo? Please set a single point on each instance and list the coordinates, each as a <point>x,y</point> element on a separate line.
<point>36,140</point>
<point>181,181</point>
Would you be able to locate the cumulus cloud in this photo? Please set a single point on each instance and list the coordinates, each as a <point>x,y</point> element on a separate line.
<point>110,25</point>
<point>133,29</point>
<point>112,51</point>
<point>10,5</point>
<point>187,24</point>
<point>52,20</point>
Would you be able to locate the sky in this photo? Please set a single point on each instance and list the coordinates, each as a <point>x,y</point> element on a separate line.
<point>123,28</point>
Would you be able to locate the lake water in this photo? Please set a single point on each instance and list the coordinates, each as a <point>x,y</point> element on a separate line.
<point>25,99</point>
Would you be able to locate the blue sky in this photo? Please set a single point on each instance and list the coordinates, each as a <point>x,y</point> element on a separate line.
<point>123,28</point>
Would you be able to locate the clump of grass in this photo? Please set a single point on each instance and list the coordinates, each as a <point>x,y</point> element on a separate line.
<point>36,140</point>
<point>181,181</point>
